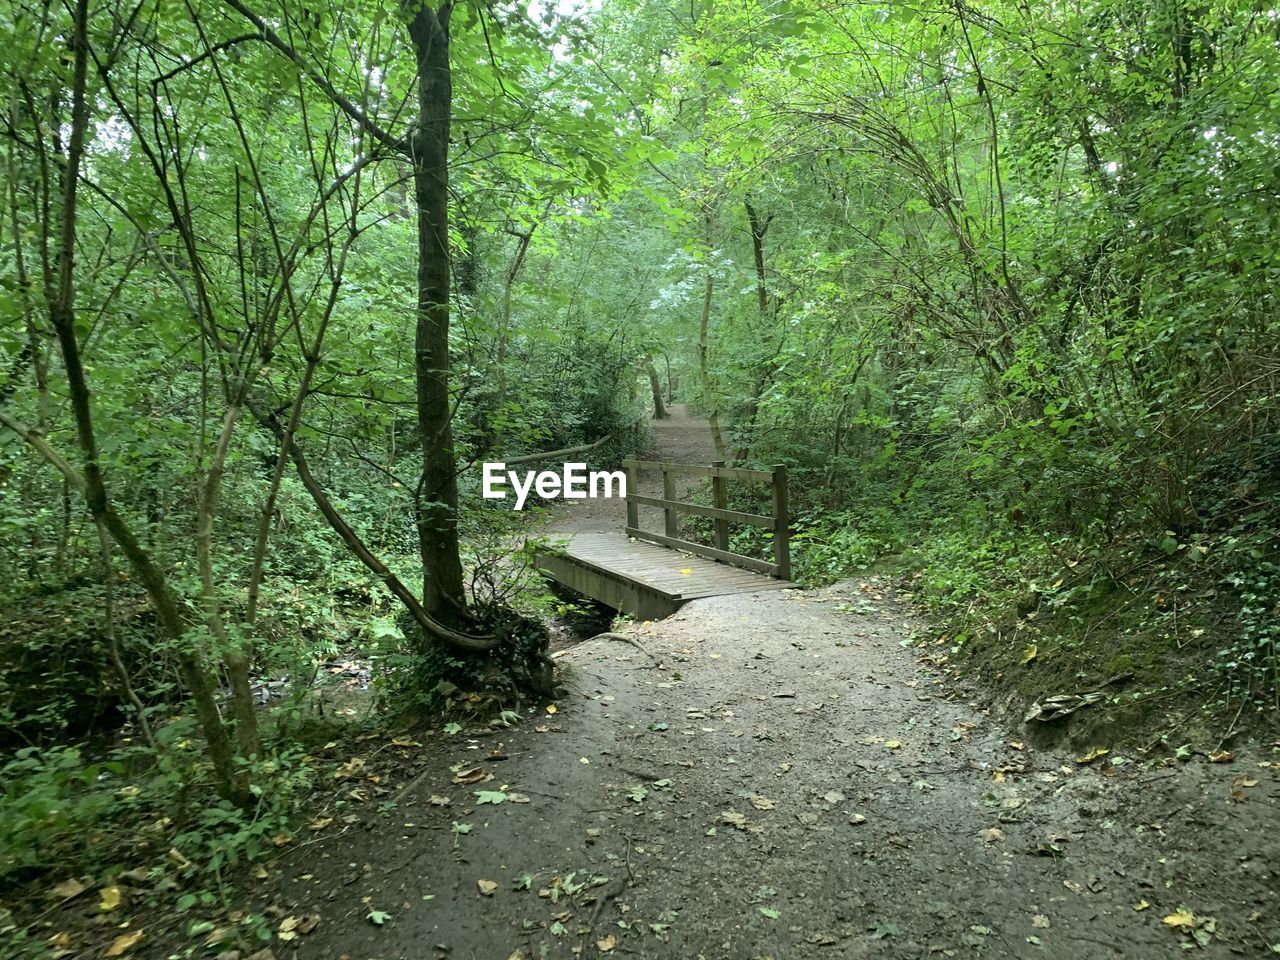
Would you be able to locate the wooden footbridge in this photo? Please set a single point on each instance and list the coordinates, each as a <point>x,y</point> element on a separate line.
<point>651,575</point>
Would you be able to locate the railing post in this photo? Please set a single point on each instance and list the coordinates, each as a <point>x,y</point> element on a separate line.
<point>671,523</point>
<point>633,512</point>
<point>781,532</point>
<point>720,497</point>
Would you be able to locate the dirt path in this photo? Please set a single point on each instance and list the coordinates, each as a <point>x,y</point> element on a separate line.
<point>679,438</point>
<point>780,775</point>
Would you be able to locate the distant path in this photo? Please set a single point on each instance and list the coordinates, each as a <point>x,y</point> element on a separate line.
<point>681,438</point>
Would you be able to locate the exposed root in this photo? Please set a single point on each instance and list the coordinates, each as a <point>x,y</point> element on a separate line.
<point>622,637</point>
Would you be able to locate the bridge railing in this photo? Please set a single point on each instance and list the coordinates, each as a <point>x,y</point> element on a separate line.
<point>672,506</point>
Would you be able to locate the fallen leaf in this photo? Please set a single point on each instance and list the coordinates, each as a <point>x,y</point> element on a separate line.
<point>59,941</point>
<point>762,803</point>
<point>1141,905</point>
<point>124,943</point>
<point>1096,754</point>
<point>857,818</point>
<point>1221,756</point>
<point>734,818</point>
<point>1181,919</point>
<point>439,801</point>
<point>319,823</point>
<point>993,834</point>
<point>490,796</point>
<point>551,708</point>
<point>405,742</point>
<point>607,943</point>
<point>377,917</point>
<point>893,744</point>
<point>351,768</point>
<point>69,889</point>
<point>280,839</point>
<point>1040,921</point>
<point>472,775</point>
<point>110,898</point>
<point>1029,654</point>
<point>487,887</point>
<point>517,798</point>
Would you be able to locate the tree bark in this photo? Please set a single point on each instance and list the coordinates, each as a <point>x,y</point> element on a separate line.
<point>708,395</point>
<point>655,387</point>
<point>437,506</point>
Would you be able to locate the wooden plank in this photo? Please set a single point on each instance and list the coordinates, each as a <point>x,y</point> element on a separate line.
<point>720,497</point>
<point>611,587</point>
<point>750,563</point>
<point>755,519</point>
<point>633,483</point>
<point>670,520</point>
<point>698,470</point>
<point>781,526</point>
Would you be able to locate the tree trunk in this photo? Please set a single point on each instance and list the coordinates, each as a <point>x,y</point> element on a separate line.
<point>62,317</point>
<point>437,502</point>
<point>655,387</point>
<point>708,395</point>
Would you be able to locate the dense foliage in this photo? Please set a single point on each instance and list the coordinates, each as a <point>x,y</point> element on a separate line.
<point>997,282</point>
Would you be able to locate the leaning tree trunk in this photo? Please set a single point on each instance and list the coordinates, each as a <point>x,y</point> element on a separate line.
<point>437,502</point>
<point>655,387</point>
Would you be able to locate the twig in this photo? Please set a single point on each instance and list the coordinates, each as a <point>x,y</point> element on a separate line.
<point>623,638</point>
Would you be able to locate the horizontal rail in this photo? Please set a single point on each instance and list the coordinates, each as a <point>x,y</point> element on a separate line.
<point>697,470</point>
<point>711,553</point>
<point>737,516</point>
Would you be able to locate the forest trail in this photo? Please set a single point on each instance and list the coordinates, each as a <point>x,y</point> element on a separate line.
<point>779,775</point>
<point>679,438</point>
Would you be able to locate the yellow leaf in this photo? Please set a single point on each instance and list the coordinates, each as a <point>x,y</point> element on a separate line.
<point>1141,905</point>
<point>487,887</point>
<point>280,839</point>
<point>110,899</point>
<point>685,572</point>
<point>319,823</point>
<point>1030,653</point>
<point>551,708</point>
<point>1221,756</point>
<point>607,944</point>
<point>59,941</point>
<point>124,943</point>
<point>893,744</point>
<point>1181,919</point>
<point>1095,754</point>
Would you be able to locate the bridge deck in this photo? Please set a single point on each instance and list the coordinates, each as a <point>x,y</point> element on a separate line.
<point>642,579</point>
